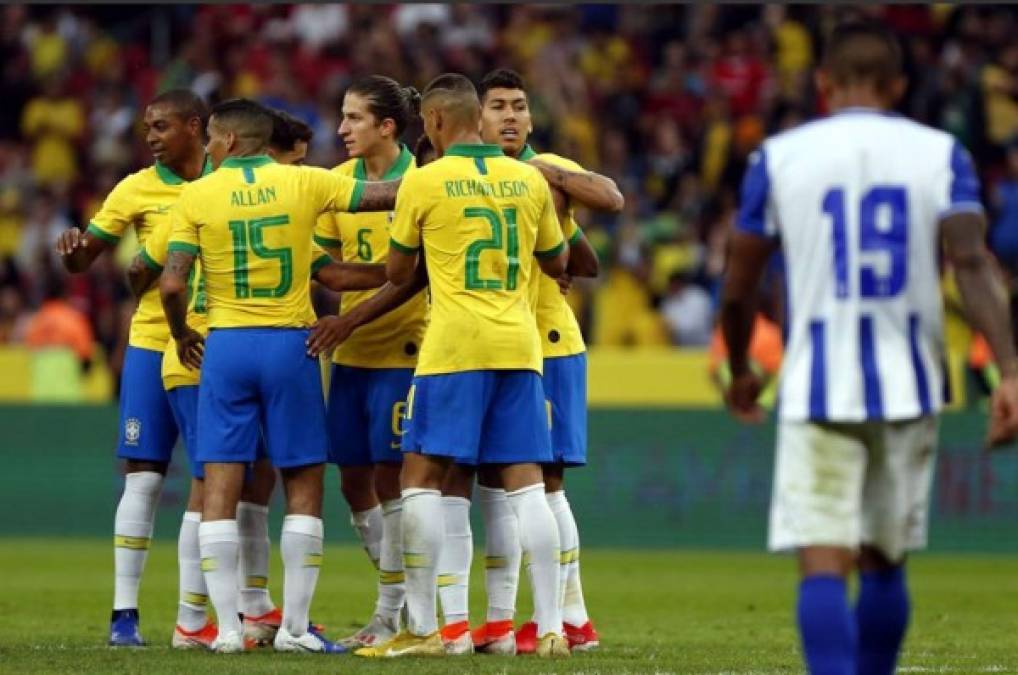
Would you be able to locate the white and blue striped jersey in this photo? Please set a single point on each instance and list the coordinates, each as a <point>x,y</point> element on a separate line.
<point>856,200</point>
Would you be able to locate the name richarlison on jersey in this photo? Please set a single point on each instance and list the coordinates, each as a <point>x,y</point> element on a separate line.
<point>253,197</point>
<point>473,188</point>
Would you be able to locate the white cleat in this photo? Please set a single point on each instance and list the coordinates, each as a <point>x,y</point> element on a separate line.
<point>229,643</point>
<point>306,643</point>
<point>377,631</point>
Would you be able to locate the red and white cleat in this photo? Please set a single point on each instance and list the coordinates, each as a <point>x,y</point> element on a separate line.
<point>526,638</point>
<point>197,639</point>
<point>583,638</point>
<point>495,637</point>
<point>262,629</point>
<point>457,639</point>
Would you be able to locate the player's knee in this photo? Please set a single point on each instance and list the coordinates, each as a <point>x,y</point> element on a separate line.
<point>459,481</point>
<point>258,488</point>
<point>138,466</point>
<point>554,477</point>
<point>833,560</point>
<point>195,499</point>
<point>357,483</point>
<point>304,489</point>
<point>872,559</point>
<point>422,471</point>
<point>387,485</point>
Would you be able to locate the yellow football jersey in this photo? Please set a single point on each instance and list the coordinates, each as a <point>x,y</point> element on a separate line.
<point>251,224</point>
<point>560,332</point>
<point>394,339</point>
<point>481,217</point>
<point>142,200</point>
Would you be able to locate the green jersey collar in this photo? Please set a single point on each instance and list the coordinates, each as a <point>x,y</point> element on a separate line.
<point>250,162</point>
<point>474,150</point>
<point>167,175</point>
<point>395,171</point>
<point>526,153</point>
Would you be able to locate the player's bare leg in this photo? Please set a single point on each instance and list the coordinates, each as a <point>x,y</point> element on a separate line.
<point>455,559</point>
<point>423,530</point>
<point>132,530</point>
<point>261,616</point>
<point>539,539</point>
<point>219,540</point>
<point>881,611</point>
<point>825,620</point>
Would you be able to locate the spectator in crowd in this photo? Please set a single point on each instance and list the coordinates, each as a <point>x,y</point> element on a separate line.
<point>57,323</point>
<point>688,311</point>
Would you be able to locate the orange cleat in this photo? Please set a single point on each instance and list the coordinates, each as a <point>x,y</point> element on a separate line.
<point>495,637</point>
<point>262,629</point>
<point>197,639</point>
<point>526,638</point>
<point>583,638</point>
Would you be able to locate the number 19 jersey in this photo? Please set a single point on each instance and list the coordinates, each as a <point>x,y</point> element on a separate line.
<point>856,200</point>
<point>480,218</point>
<point>251,222</point>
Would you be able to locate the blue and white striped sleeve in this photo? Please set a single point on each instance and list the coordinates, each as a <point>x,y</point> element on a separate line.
<point>963,191</point>
<point>755,198</point>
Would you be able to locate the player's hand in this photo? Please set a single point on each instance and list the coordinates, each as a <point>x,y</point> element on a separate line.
<point>327,333</point>
<point>71,240</point>
<point>565,282</point>
<point>191,348</point>
<point>1003,427</point>
<point>742,396</point>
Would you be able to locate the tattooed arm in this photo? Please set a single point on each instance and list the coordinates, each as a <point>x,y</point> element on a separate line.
<point>140,276</point>
<point>590,189</point>
<point>173,292</point>
<point>379,195</point>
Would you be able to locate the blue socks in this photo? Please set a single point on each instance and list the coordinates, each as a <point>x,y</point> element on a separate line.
<point>826,626</point>
<point>881,615</point>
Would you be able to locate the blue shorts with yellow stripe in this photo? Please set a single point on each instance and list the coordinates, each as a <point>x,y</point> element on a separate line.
<point>366,410</point>
<point>147,430</point>
<point>479,417</point>
<point>260,383</point>
<point>565,388</point>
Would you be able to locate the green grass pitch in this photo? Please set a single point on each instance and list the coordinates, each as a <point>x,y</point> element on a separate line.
<point>657,611</point>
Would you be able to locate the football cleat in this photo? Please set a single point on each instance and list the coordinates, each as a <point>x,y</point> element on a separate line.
<point>230,643</point>
<point>196,639</point>
<point>583,638</point>
<point>262,629</point>
<point>124,629</point>
<point>495,637</point>
<point>552,646</point>
<point>457,639</point>
<point>526,638</point>
<point>310,642</point>
<point>406,643</point>
<point>379,630</point>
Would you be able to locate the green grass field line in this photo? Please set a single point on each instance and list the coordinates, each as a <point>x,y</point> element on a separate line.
<point>657,611</point>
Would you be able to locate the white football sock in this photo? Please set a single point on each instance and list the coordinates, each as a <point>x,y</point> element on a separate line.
<point>192,608</point>
<point>574,610</point>
<point>301,545</point>
<point>391,579</point>
<point>502,553</point>
<point>369,527</point>
<point>132,532</point>
<point>253,524</point>
<point>454,560</point>
<point>423,535</point>
<point>540,542</point>
<point>220,545</point>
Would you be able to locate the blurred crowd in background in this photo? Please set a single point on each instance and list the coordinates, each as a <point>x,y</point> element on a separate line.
<point>667,100</point>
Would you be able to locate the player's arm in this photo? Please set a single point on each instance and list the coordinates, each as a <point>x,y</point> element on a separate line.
<point>750,247</point>
<point>379,195</point>
<point>78,250</point>
<point>986,306</point>
<point>550,249</point>
<point>330,331</point>
<point>173,293</point>
<point>141,275</point>
<point>405,232</point>
<point>583,260</point>
<point>345,276</point>
<point>590,189</point>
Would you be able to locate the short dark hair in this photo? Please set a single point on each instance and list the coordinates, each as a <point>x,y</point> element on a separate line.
<point>450,82</point>
<point>249,119</point>
<point>287,130</point>
<point>422,149</point>
<point>500,78</point>
<point>388,100</point>
<point>185,103</point>
<point>863,51</point>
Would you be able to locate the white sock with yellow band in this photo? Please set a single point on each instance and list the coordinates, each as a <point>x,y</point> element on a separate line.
<point>423,535</point>
<point>132,532</point>
<point>391,578</point>
<point>192,608</point>
<point>253,525</point>
<point>454,560</point>
<point>301,546</point>
<point>574,610</point>
<point>369,528</point>
<point>502,553</point>
<point>220,548</point>
<point>540,541</point>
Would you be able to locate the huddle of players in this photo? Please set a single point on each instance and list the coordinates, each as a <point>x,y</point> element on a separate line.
<point>225,249</point>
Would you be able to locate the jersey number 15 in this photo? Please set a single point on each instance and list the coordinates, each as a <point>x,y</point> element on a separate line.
<point>248,234</point>
<point>891,240</point>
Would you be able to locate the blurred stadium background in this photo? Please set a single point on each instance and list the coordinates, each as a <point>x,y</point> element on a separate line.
<point>669,101</point>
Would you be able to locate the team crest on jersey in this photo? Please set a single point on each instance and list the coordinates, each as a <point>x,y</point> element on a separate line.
<point>132,431</point>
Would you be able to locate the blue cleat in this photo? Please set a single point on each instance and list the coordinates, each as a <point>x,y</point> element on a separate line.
<point>311,641</point>
<point>124,629</point>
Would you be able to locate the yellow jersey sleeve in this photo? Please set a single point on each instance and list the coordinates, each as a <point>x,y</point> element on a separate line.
<point>405,234</point>
<point>319,258</point>
<point>549,235</point>
<point>333,191</point>
<point>116,214</point>
<point>153,252</point>
<point>184,228</point>
<point>327,231</point>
